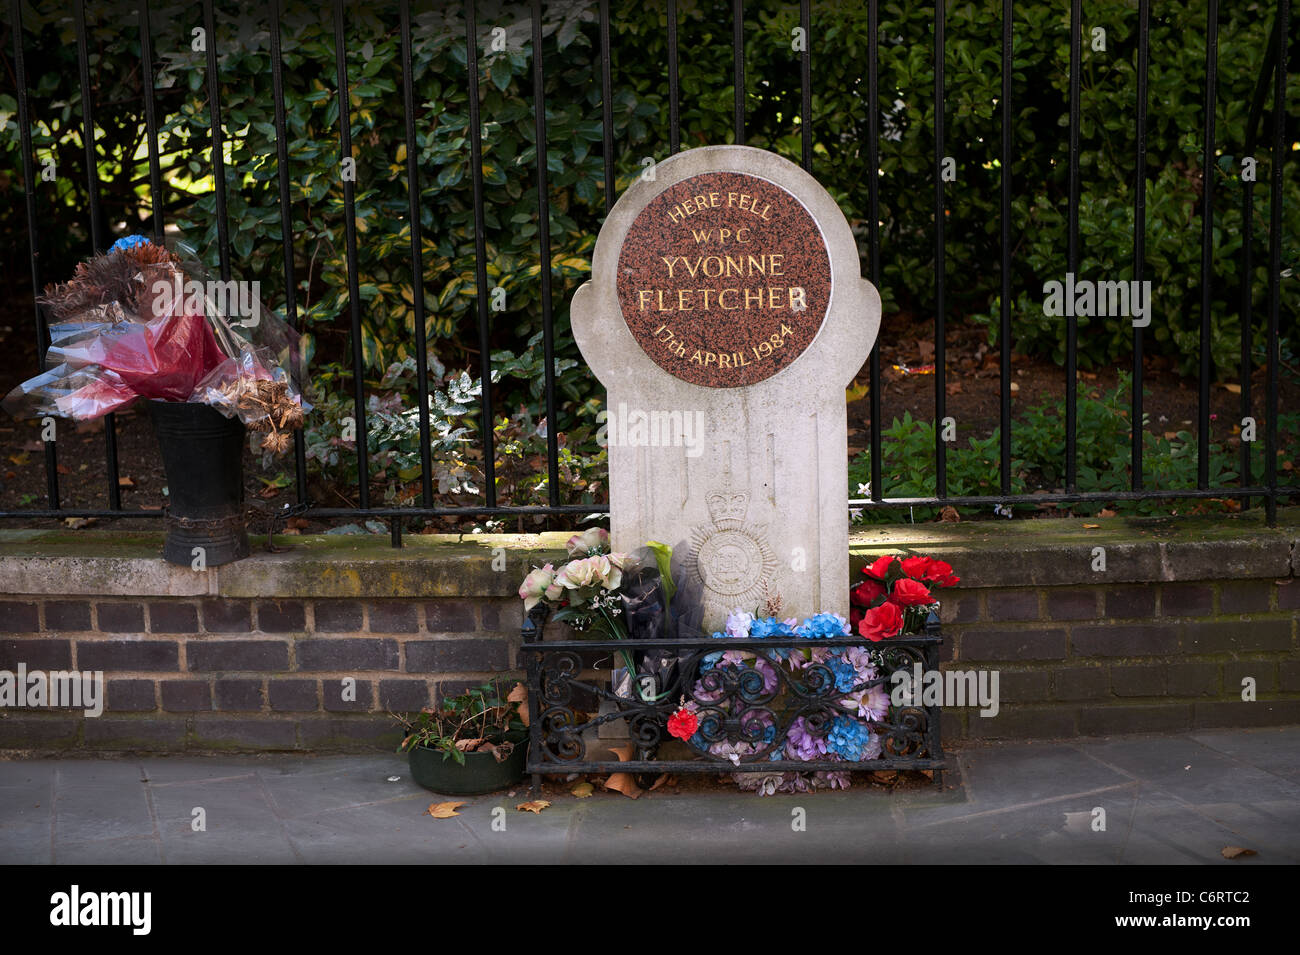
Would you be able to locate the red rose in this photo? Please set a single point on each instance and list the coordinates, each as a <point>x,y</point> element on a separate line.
<point>941,573</point>
<point>908,593</point>
<point>683,724</point>
<point>881,622</point>
<point>866,593</point>
<point>880,568</point>
<point>917,567</point>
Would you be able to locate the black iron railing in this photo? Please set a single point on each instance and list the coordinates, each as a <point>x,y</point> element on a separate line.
<point>570,697</point>
<point>1274,67</point>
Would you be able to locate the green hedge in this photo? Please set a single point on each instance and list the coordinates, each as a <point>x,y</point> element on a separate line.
<point>575,166</point>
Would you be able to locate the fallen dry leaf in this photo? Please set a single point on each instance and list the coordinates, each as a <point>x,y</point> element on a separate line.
<point>582,790</point>
<point>125,482</point>
<point>520,695</point>
<point>663,780</point>
<point>76,523</point>
<point>536,805</point>
<point>1091,526</point>
<point>625,784</point>
<point>949,515</point>
<point>1233,388</point>
<point>469,745</point>
<point>1105,512</point>
<point>1232,852</point>
<point>444,810</point>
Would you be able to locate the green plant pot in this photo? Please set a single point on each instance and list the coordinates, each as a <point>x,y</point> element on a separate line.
<point>480,774</point>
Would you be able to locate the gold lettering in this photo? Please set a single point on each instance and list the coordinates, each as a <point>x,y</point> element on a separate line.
<point>724,305</point>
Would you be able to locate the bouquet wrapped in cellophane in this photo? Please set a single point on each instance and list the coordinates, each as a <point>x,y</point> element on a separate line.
<point>147,321</point>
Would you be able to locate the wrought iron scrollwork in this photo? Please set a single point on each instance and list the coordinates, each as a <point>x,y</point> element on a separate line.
<point>746,697</point>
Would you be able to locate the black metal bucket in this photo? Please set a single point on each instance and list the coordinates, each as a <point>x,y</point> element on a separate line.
<point>202,452</point>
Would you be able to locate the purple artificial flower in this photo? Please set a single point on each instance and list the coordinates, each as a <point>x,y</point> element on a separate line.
<point>871,704</point>
<point>803,745</point>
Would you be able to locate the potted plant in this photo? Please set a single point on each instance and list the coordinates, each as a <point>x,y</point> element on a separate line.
<point>145,321</point>
<point>470,744</point>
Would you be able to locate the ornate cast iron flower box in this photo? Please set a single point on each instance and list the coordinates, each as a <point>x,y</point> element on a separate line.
<point>745,713</point>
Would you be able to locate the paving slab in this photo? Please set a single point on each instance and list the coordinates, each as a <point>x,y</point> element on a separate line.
<point>241,826</point>
<point>337,785</point>
<point>1272,749</point>
<point>1167,799</point>
<point>97,800</point>
<point>1185,768</point>
<point>133,850</point>
<point>1164,831</point>
<point>1064,831</point>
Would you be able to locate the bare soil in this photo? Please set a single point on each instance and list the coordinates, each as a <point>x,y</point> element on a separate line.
<point>972,398</point>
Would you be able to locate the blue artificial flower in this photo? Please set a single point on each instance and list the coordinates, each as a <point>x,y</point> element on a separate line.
<point>709,661</point>
<point>771,627</point>
<point>128,242</point>
<point>846,677</point>
<point>822,625</point>
<point>848,738</point>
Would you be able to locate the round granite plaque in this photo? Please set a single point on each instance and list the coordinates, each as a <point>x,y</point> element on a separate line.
<point>724,279</point>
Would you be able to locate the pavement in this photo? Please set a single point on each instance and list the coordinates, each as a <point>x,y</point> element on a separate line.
<point>1173,799</point>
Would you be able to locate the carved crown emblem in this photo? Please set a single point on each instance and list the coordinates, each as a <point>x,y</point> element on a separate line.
<point>727,505</point>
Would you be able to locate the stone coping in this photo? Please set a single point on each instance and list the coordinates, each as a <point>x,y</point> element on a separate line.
<point>985,554</point>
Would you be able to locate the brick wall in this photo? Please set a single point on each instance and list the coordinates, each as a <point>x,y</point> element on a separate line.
<point>1100,660</point>
<point>254,656</point>
<point>217,674</point>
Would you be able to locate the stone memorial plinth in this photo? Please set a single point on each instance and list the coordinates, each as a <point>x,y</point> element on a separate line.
<point>726,314</point>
